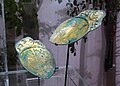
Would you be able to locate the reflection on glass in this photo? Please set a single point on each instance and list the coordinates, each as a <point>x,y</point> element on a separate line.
<point>75,28</point>
<point>35,57</point>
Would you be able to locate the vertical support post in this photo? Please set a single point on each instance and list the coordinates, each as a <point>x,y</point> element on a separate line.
<point>4,46</point>
<point>38,81</point>
<point>67,63</point>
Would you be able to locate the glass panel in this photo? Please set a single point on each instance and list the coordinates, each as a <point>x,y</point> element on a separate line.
<point>57,79</point>
<point>24,78</point>
<point>2,78</point>
<point>12,72</point>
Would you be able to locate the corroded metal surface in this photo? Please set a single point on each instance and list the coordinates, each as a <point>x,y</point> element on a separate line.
<point>35,57</point>
<point>75,28</point>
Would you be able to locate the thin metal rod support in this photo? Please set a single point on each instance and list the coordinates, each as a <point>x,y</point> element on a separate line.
<point>67,63</point>
<point>38,81</point>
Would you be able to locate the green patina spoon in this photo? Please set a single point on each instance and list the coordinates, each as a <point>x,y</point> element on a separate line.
<point>75,28</point>
<point>35,57</point>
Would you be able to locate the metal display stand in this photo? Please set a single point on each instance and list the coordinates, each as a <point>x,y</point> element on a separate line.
<point>67,63</point>
<point>66,70</point>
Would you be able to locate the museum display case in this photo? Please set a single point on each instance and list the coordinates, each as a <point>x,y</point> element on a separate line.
<point>55,42</point>
<point>12,71</point>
